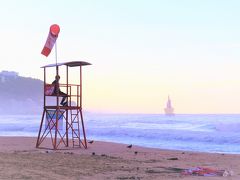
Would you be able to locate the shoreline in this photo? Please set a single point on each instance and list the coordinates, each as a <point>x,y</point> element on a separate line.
<point>145,147</point>
<point>19,159</point>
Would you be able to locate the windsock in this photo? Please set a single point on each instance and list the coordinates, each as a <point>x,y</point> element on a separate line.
<point>52,37</point>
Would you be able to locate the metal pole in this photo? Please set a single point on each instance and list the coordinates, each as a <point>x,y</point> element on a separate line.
<point>44,104</point>
<point>67,111</point>
<point>44,83</point>
<point>57,115</point>
<point>81,87</point>
<point>40,130</point>
<point>56,52</point>
<point>57,109</point>
<point>84,134</point>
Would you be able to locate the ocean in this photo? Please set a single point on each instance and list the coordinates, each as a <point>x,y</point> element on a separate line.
<point>214,133</point>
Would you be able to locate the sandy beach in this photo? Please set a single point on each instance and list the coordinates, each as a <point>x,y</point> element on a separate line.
<point>19,159</point>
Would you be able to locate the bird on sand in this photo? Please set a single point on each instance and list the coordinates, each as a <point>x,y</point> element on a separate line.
<point>90,142</point>
<point>129,146</point>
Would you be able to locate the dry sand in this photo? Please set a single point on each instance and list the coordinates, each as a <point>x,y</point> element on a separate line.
<point>19,159</point>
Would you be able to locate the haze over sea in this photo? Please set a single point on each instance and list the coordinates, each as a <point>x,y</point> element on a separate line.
<point>191,132</point>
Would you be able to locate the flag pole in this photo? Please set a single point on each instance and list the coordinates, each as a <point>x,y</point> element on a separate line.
<point>56,58</point>
<point>57,108</point>
<point>56,52</point>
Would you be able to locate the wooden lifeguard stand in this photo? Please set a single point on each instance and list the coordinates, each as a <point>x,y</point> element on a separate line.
<point>70,117</point>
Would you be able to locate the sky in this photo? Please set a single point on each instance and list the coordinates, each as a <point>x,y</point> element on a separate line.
<point>141,51</point>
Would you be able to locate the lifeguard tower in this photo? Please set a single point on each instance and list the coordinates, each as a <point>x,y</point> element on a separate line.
<point>58,122</point>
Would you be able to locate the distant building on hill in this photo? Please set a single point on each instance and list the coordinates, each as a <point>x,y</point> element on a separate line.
<point>8,74</point>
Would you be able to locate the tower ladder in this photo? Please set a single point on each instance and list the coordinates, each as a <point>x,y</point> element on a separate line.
<point>75,128</point>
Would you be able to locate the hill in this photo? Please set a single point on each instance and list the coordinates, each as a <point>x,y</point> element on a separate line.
<point>20,95</point>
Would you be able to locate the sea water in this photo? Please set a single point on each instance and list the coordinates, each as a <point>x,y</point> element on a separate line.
<point>188,132</point>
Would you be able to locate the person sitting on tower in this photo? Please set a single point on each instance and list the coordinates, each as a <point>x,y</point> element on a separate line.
<point>58,91</point>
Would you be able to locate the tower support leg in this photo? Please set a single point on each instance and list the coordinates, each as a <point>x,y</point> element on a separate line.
<point>84,134</point>
<point>40,129</point>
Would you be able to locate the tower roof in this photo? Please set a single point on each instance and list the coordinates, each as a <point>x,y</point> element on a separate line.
<point>70,64</point>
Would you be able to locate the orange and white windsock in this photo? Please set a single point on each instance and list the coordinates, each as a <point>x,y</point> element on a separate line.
<point>52,37</point>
